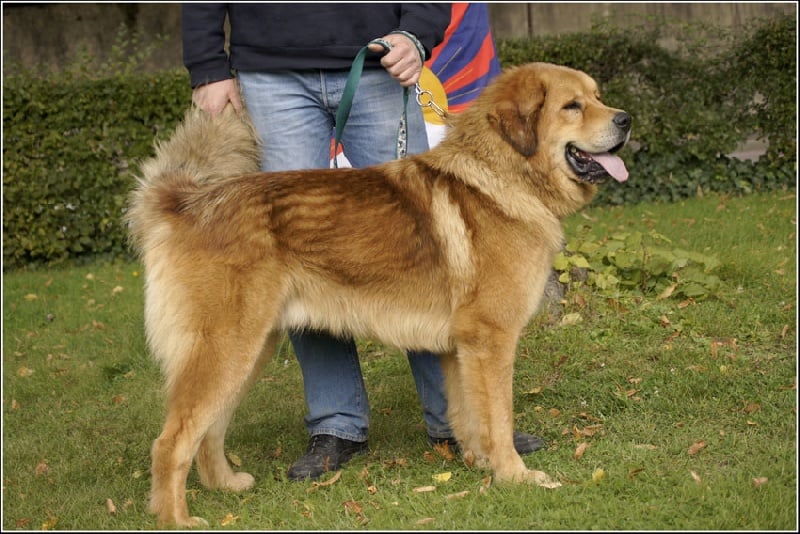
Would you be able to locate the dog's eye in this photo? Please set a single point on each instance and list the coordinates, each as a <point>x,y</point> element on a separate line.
<point>574,105</point>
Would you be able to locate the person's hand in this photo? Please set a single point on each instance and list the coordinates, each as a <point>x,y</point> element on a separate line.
<point>402,62</point>
<point>213,97</point>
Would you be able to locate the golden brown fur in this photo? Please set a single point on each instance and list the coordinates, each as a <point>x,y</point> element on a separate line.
<point>447,250</point>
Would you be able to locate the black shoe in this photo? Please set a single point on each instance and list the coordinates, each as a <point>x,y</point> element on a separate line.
<point>324,453</point>
<point>523,443</point>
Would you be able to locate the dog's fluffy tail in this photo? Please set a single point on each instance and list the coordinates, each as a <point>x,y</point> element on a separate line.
<point>202,150</point>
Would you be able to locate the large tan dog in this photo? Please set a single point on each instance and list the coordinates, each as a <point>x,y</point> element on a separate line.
<point>447,250</point>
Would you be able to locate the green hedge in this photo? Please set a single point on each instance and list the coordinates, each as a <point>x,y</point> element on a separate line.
<point>71,141</point>
<point>69,146</point>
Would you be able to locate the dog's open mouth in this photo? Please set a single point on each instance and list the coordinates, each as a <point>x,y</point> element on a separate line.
<point>596,168</point>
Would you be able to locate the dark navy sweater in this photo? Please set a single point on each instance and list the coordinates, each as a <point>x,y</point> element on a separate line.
<point>297,36</point>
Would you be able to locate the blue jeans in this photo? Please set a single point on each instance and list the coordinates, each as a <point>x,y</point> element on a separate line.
<point>294,113</point>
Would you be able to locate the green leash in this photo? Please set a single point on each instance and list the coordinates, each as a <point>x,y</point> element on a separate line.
<point>347,102</point>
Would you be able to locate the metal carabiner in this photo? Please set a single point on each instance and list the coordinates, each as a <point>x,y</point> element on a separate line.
<point>425,100</point>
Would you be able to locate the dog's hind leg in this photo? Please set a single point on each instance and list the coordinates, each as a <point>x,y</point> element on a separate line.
<point>215,352</point>
<point>214,469</point>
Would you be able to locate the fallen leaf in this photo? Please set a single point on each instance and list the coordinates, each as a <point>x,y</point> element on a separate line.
<point>696,447</point>
<point>458,495</point>
<point>696,477</point>
<point>667,292</point>
<point>50,523</point>
<point>118,399</point>
<point>424,489</point>
<point>554,412</point>
<point>229,519</point>
<point>353,507</point>
<point>580,449</point>
<point>24,372</point>
<point>633,472</point>
<point>442,477</point>
<point>443,450</point>
<point>112,509</point>
<point>235,460</point>
<point>117,290</point>
<point>41,468</point>
<point>752,407</point>
<point>759,481</point>
<point>316,485</point>
<point>588,417</point>
<point>598,475</point>
<point>570,319</point>
<point>647,446</point>
<point>30,296</point>
<point>372,489</point>
<point>425,521</point>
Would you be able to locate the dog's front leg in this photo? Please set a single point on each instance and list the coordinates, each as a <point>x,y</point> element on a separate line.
<point>480,396</point>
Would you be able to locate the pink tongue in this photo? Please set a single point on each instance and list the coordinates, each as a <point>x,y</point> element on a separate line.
<point>613,164</point>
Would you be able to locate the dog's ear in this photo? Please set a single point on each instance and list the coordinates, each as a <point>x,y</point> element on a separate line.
<point>518,123</point>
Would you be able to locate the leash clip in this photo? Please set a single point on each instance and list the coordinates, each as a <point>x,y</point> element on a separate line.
<point>425,100</point>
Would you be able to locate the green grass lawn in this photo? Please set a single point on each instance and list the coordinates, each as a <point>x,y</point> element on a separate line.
<point>659,414</point>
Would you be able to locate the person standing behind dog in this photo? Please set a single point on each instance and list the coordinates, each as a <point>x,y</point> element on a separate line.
<point>291,62</point>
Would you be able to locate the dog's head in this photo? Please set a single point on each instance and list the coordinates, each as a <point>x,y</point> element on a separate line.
<point>554,114</point>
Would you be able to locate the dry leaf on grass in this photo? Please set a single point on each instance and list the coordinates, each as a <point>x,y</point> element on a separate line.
<point>50,523</point>
<point>353,507</point>
<point>696,447</point>
<point>443,450</point>
<point>580,449</point>
<point>425,521</point>
<point>24,372</point>
<point>458,495</point>
<point>112,509</point>
<point>752,407</point>
<point>229,519</point>
<point>442,477</point>
<point>424,489</point>
<point>316,485</point>
<point>633,472</point>
<point>759,481</point>
<point>696,477</point>
<point>598,475</point>
<point>41,468</point>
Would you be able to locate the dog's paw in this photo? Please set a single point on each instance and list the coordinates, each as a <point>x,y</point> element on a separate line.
<point>540,478</point>
<point>195,521</point>
<point>240,481</point>
<point>188,522</point>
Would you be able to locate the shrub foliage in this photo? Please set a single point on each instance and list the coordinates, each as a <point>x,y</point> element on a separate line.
<point>71,140</point>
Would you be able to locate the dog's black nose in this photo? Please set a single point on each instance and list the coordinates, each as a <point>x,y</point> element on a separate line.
<point>623,120</point>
